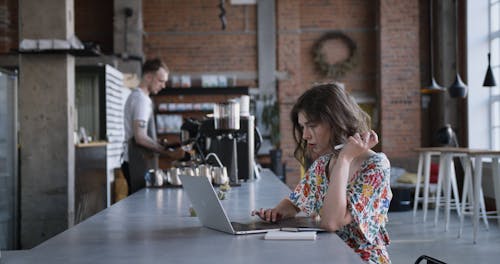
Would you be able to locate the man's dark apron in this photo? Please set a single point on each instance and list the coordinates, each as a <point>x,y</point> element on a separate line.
<point>141,160</point>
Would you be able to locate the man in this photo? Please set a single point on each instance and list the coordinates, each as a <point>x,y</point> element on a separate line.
<point>142,148</point>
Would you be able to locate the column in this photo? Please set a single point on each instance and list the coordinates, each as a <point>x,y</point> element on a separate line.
<point>46,119</point>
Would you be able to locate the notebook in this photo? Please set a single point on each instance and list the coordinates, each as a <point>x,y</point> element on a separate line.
<point>212,214</point>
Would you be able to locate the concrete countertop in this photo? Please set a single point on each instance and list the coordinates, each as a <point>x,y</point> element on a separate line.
<point>154,226</point>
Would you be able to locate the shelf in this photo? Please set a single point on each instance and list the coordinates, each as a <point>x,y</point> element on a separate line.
<point>169,112</point>
<point>168,133</point>
<point>236,90</point>
<point>74,52</point>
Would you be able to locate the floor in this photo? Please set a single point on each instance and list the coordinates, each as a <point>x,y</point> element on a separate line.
<point>411,238</point>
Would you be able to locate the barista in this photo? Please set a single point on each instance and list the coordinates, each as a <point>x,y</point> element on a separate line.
<point>142,148</point>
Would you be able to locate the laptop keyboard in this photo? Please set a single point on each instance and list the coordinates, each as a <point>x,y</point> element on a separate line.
<point>260,225</point>
<point>254,226</point>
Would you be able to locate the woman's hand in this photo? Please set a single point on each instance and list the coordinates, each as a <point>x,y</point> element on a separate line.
<point>358,144</point>
<point>284,209</point>
<point>268,215</point>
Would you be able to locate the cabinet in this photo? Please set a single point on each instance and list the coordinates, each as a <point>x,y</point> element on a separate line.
<point>90,179</point>
<point>173,105</point>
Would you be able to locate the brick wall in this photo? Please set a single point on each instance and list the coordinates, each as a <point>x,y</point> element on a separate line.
<point>300,24</point>
<point>399,78</point>
<point>289,60</point>
<point>8,25</point>
<point>189,37</point>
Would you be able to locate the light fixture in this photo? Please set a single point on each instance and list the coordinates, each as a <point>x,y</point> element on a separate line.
<point>489,79</point>
<point>434,87</point>
<point>458,89</point>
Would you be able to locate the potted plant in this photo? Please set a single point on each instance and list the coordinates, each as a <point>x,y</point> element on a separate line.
<point>271,121</point>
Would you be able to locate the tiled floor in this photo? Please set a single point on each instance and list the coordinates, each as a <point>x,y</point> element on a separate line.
<point>412,237</point>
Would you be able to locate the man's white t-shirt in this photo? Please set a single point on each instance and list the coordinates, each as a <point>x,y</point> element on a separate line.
<point>137,107</point>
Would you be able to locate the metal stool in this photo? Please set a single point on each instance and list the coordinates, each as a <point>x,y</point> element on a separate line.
<point>468,198</point>
<point>447,173</point>
<point>424,161</point>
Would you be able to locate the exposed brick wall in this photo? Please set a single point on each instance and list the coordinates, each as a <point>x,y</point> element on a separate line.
<point>8,25</point>
<point>300,24</point>
<point>399,78</point>
<point>289,61</point>
<point>189,37</point>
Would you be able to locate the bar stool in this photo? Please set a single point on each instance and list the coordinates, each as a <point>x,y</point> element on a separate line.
<point>468,198</point>
<point>478,156</point>
<point>424,160</point>
<point>448,175</point>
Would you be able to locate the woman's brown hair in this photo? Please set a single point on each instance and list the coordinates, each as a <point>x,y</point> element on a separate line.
<point>331,105</point>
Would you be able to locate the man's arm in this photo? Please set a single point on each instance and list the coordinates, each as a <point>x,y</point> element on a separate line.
<point>142,139</point>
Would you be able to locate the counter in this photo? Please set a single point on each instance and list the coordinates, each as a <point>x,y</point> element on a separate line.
<point>90,179</point>
<point>154,226</point>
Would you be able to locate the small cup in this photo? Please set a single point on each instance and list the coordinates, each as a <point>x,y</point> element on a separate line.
<point>206,171</point>
<point>174,176</point>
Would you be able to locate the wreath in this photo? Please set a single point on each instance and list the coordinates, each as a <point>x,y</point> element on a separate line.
<point>339,69</point>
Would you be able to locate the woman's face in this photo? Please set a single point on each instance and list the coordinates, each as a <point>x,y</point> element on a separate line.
<point>317,136</point>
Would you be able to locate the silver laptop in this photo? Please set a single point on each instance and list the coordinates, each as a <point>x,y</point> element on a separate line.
<point>212,215</point>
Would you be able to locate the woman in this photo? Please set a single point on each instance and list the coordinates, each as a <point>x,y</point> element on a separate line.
<point>347,187</point>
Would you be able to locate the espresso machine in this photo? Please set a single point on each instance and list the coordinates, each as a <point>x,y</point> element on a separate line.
<point>233,138</point>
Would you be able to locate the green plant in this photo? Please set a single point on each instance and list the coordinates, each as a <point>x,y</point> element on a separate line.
<point>271,120</point>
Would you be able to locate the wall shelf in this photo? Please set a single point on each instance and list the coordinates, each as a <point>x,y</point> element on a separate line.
<point>234,90</point>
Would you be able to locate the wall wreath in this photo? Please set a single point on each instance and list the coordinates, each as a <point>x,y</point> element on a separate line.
<point>339,69</point>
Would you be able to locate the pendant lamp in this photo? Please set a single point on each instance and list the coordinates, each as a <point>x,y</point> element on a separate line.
<point>489,79</point>
<point>458,89</point>
<point>434,87</point>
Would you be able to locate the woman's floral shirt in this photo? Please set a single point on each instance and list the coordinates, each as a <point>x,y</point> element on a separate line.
<point>368,195</point>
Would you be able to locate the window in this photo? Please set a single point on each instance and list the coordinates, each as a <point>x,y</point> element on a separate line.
<point>494,97</point>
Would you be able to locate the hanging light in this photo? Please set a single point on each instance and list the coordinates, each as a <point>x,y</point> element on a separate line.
<point>458,89</point>
<point>434,87</point>
<point>489,79</point>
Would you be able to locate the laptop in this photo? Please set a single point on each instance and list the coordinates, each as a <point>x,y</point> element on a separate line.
<point>212,215</point>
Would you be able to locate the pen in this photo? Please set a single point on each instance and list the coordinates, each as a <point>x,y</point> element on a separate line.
<point>290,229</point>
<point>301,229</point>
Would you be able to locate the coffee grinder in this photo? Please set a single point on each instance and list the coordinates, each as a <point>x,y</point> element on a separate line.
<point>226,121</point>
<point>229,126</point>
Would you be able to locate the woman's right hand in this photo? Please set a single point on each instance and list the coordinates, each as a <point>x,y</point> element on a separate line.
<point>358,144</point>
<point>268,215</point>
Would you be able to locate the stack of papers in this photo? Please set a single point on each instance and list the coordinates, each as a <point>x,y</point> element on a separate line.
<point>285,235</point>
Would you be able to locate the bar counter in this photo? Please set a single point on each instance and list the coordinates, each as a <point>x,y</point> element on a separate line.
<point>154,226</point>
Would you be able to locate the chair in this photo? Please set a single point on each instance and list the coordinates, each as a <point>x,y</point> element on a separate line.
<point>430,260</point>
